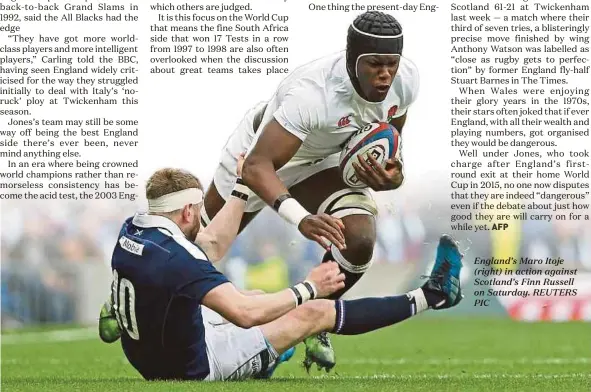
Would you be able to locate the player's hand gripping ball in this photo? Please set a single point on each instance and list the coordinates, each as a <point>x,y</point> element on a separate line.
<point>379,140</point>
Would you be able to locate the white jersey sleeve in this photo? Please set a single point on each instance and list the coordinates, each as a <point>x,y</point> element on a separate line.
<point>408,88</point>
<point>300,111</point>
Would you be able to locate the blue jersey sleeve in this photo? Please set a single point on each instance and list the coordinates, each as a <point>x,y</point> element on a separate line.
<point>200,276</point>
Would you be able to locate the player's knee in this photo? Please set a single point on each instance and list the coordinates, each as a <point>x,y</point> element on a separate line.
<point>359,249</point>
<point>315,311</point>
<point>357,209</point>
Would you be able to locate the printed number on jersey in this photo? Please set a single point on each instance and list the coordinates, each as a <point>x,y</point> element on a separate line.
<point>124,305</point>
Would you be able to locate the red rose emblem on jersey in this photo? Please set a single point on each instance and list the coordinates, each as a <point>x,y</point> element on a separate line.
<point>391,112</point>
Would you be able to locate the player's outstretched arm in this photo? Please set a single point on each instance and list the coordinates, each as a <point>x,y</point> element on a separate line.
<point>251,310</point>
<point>217,238</point>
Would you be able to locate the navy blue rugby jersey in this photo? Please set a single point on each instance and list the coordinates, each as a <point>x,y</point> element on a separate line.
<point>160,279</point>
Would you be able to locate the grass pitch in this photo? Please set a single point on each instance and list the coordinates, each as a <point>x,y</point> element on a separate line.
<point>423,354</point>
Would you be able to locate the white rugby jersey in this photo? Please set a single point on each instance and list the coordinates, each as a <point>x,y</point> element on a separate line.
<point>318,104</point>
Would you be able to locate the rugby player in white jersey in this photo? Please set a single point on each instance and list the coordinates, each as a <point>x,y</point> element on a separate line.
<point>294,141</point>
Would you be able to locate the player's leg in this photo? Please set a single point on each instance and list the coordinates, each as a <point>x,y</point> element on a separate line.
<point>324,192</point>
<point>357,210</point>
<point>236,353</point>
<point>353,317</point>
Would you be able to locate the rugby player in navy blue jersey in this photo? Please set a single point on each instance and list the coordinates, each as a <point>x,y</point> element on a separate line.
<point>181,319</point>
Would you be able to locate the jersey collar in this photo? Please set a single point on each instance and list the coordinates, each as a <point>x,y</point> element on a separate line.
<point>148,221</point>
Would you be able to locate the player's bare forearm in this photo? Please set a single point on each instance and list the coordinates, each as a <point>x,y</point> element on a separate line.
<point>217,238</point>
<point>264,308</point>
<point>249,293</point>
<point>252,292</point>
<point>248,310</point>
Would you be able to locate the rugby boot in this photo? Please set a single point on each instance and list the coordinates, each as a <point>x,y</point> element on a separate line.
<point>109,330</point>
<point>286,356</point>
<point>319,351</point>
<point>444,280</point>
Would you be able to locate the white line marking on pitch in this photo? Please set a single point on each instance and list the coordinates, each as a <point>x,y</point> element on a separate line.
<point>456,376</point>
<point>66,335</point>
<point>457,361</point>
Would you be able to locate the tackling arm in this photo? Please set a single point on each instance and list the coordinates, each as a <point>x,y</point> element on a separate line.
<point>250,309</point>
<point>218,236</point>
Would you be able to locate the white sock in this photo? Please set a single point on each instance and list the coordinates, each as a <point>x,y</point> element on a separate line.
<point>420,300</point>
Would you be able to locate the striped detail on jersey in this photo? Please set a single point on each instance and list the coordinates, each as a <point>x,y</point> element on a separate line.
<point>193,249</point>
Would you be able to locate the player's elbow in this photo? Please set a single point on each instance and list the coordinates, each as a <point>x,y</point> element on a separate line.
<point>245,319</point>
<point>250,168</point>
<point>215,251</point>
<point>243,313</point>
<point>254,167</point>
<point>214,255</point>
<point>210,244</point>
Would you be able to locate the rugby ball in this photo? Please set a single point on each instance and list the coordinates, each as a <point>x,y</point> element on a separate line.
<point>379,139</point>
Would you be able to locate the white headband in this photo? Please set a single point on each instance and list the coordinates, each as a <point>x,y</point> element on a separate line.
<point>175,200</point>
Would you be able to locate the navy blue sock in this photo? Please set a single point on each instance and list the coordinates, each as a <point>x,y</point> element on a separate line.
<point>368,314</point>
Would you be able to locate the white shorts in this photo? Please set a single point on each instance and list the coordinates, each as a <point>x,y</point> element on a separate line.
<point>241,140</point>
<point>234,353</point>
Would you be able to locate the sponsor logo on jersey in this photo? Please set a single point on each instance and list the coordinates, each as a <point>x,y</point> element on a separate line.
<point>392,112</point>
<point>344,121</point>
<point>131,246</point>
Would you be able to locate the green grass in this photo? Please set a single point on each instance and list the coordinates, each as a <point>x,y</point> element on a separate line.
<point>425,354</point>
